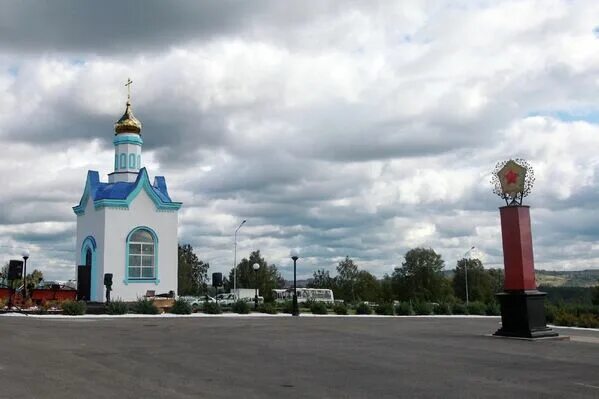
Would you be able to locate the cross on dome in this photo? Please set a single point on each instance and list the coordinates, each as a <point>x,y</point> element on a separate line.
<point>128,122</point>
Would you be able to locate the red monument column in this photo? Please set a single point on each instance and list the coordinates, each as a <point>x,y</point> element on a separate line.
<point>518,258</point>
<point>522,305</point>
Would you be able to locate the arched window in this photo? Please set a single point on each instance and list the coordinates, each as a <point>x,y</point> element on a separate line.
<point>141,260</point>
<point>131,161</point>
<point>139,162</point>
<point>116,161</point>
<point>123,161</point>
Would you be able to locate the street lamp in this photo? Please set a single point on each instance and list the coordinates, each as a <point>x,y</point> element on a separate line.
<point>235,260</point>
<point>295,257</point>
<point>468,253</point>
<point>25,255</point>
<point>256,266</point>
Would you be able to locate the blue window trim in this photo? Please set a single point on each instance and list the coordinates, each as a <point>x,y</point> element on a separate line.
<point>138,161</point>
<point>90,243</point>
<point>131,161</point>
<point>154,280</point>
<point>116,161</point>
<point>123,161</point>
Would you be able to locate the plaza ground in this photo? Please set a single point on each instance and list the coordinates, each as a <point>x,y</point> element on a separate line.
<point>284,357</point>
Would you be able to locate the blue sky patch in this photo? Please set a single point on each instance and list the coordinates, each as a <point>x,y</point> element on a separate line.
<point>590,116</point>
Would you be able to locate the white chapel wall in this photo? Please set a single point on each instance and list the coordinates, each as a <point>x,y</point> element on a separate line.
<point>119,223</point>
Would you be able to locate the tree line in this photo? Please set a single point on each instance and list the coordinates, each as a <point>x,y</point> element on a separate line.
<point>193,274</point>
<point>419,278</point>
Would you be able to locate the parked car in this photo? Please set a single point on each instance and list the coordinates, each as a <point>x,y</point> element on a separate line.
<point>197,301</point>
<point>260,299</point>
<point>226,299</point>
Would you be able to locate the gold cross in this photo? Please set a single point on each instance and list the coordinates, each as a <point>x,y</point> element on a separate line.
<point>128,84</point>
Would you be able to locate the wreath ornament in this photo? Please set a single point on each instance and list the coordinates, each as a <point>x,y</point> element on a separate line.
<point>513,180</point>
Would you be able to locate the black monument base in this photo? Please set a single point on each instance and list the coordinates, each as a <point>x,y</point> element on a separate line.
<point>523,315</point>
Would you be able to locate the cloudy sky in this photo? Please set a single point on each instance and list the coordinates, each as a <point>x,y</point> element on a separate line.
<point>340,128</point>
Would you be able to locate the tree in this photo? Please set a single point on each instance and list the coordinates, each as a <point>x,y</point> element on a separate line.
<point>266,278</point>
<point>193,273</point>
<point>497,278</point>
<point>347,275</point>
<point>322,279</point>
<point>595,294</point>
<point>367,287</point>
<point>4,274</point>
<point>420,277</point>
<point>480,285</point>
<point>34,278</point>
<point>386,290</point>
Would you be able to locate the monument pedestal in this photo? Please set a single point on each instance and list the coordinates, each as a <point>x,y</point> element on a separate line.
<point>522,305</point>
<point>523,315</point>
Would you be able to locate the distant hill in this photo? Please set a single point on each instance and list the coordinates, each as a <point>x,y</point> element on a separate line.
<point>574,278</point>
<point>550,278</point>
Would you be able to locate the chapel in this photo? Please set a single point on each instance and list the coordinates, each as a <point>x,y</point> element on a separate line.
<point>127,225</point>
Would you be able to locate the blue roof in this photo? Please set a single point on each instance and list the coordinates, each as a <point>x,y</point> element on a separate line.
<point>120,193</point>
<point>121,190</point>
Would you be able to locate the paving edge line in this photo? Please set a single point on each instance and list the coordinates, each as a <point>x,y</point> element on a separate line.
<point>236,315</point>
<point>574,328</point>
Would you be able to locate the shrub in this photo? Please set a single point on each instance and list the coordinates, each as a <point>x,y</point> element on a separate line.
<point>550,311</point>
<point>404,309</point>
<point>42,308</point>
<point>241,307</point>
<point>268,308</point>
<point>563,318</point>
<point>181,306</point>
<point>492,309</point>
<point>459,308</point>
<point>73,308</point>
<point>116,307</point>
<point>363,308</point>
<point>287,307</point>
<point>45,306</point>
<point>340,308</point>
<point>385,309</point>
<point>27,304</point>
<point>318,308</point>
<point>587,320</point>
<point>477,308</point>
<point>212,308</point>
<point>145,306</point>
<point>443,308</point>
<point>423,308</point>
<point>308,304</point>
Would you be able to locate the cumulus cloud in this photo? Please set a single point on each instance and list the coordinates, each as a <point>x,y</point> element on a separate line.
<point>359,129</point>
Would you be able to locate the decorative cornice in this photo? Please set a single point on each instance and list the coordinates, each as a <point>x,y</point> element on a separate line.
<point>128,139</point>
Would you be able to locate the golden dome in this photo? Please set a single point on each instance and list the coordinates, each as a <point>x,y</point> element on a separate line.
<point>128,123</point>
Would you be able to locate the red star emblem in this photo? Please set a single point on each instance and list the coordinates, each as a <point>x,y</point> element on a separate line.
<point>511,177</point>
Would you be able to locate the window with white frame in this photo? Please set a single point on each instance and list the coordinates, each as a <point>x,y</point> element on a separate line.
<point>142,250</point>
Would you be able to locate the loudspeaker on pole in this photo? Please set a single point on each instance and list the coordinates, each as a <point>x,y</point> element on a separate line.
<point>217,279</point>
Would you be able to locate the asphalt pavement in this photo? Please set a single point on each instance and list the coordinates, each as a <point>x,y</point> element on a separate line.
<point>284,357</point>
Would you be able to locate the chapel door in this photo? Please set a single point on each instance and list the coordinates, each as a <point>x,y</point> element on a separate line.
<point>84,277</point>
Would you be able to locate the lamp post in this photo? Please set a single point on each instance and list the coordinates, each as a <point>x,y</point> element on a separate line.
<point>295,257</point>
<point>25,257</point>
<point>468,253</point>
<point>256,266</point>
<point>235,260</point>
